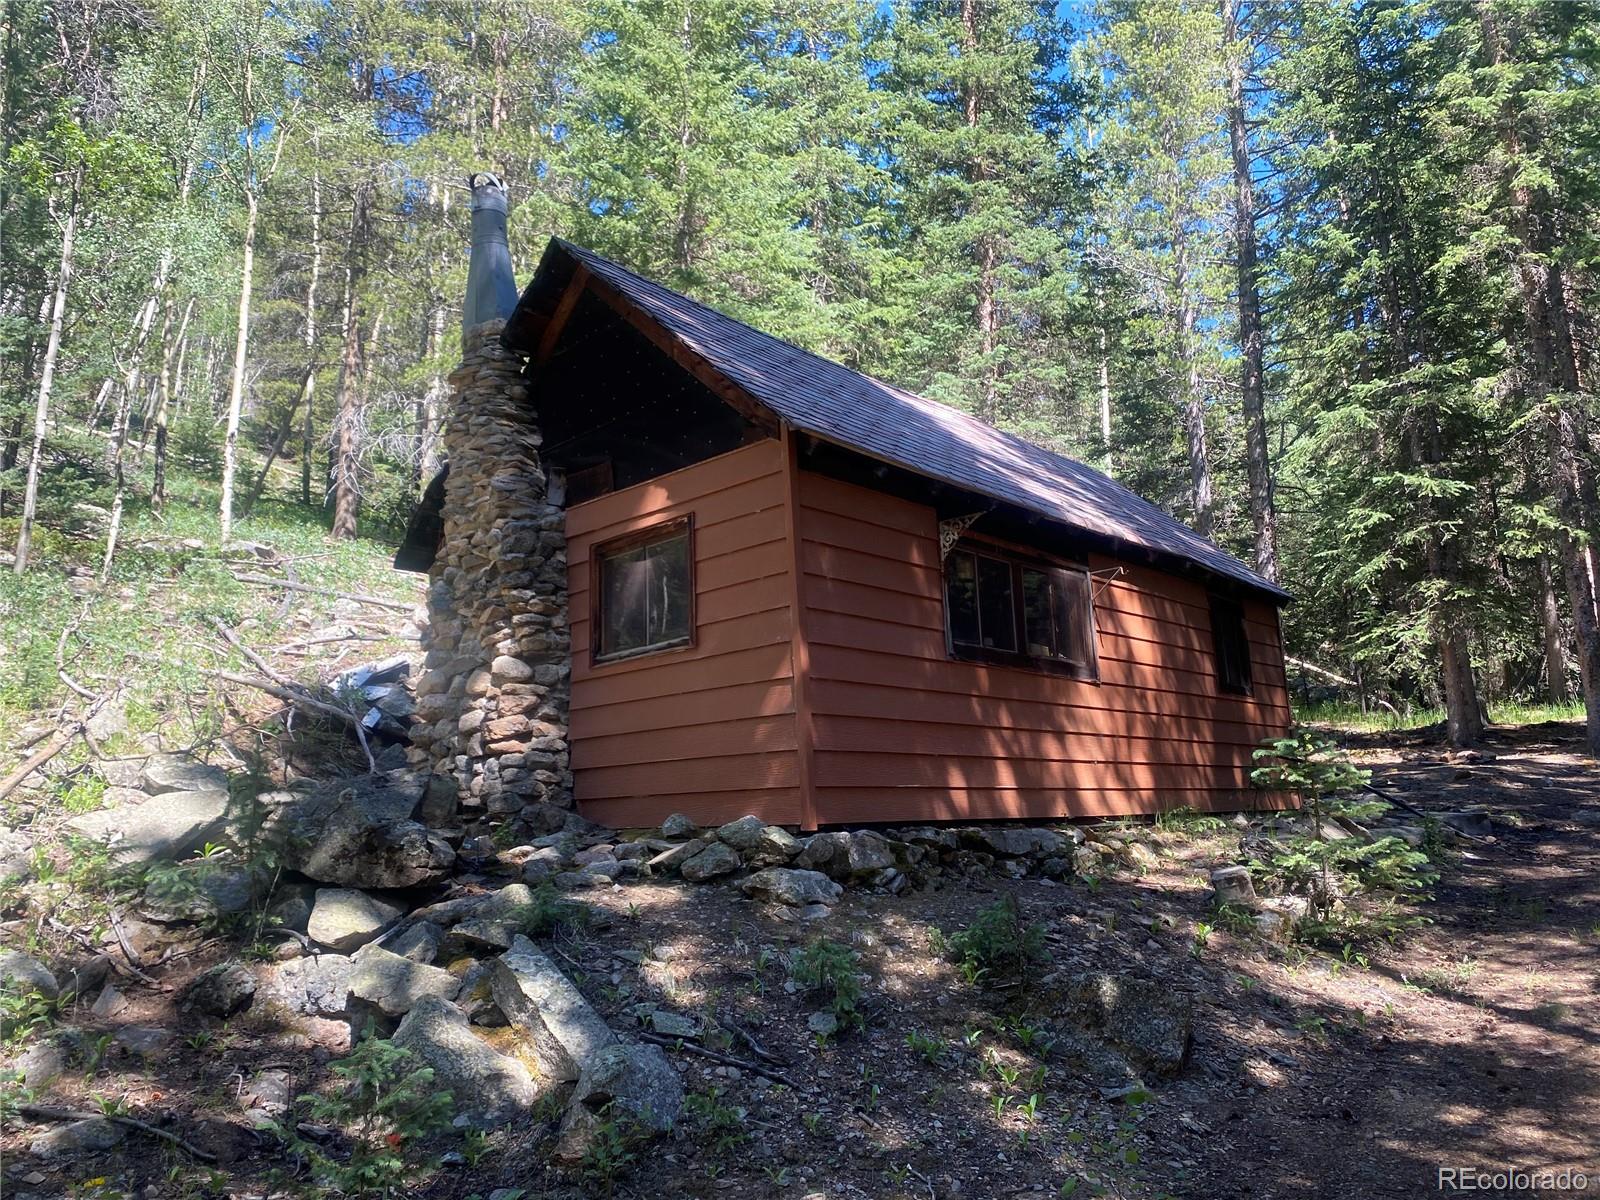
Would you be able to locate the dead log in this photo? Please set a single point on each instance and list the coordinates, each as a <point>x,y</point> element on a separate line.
<point>717,1056</point>
<point>356,597</point>
<point>49,750</point>
<point>44,1112</point>
<point>299,699</point>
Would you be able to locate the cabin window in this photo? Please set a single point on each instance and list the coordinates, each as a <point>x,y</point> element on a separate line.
<point>1232,646</point>
<point>644,592</point>
<point>1002,609</point>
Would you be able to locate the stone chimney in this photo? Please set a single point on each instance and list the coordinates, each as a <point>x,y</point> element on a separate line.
<point>494,692</point>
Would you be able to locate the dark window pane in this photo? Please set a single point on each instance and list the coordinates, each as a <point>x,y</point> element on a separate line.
<point>1231,643</point>
<point>996,607</point>
<point>625,584</point>
<point>1041,630</point>
<point>645,595</point>
<point>961,597</point>
<point>1077,616</point>
<point>669,594</point>
<point>1055,613</point>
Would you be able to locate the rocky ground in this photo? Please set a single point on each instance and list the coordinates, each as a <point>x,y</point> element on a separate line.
<point>661,1013</point>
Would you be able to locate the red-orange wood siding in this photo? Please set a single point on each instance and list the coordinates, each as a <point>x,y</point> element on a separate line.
<point>904,733</point>
<point>708,729</point>
<point>896,729</point>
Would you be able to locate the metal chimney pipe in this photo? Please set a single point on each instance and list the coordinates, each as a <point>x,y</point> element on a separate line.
<point>491,285</point>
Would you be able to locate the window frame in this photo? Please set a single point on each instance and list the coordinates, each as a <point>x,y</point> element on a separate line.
<point>661,531</point>
<point>1232,610</point>
<point>1019,560</point>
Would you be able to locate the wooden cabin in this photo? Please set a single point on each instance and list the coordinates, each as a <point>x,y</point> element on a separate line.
<point>799,592</point>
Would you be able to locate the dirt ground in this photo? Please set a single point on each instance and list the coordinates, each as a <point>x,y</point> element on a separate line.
<point>1470,1044</point>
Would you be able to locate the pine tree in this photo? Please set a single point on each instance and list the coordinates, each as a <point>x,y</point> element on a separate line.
<point>989,197</point>
<point>1163,82</point>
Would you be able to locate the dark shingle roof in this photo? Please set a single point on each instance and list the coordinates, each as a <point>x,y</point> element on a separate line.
<point>854,410</point>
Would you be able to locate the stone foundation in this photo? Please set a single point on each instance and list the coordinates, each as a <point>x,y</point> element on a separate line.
<point>493,698</point>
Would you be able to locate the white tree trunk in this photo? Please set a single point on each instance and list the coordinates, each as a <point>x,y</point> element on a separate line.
<point>241,346</point>
<point>47,375</point>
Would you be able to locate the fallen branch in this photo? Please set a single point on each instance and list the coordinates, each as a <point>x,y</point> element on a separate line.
<point>1327,674</point>
<point>717,1056</point>
<point>300,700</point>
<point>255,659</point>
<point>39,758</point>
<point>357,597</point>
<point>44,1112</point>
<point>1394,800</point>
<point>749,1040</point>
<point>300,646</point>
<point>128,951</point>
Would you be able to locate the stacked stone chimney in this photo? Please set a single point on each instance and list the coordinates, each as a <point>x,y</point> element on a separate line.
<point>493,697</point>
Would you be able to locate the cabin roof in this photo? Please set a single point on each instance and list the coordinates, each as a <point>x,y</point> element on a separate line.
<point>836,404</point>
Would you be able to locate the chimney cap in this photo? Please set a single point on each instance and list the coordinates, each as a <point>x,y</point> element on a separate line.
<point>491,289</point>
<point>488,191</point>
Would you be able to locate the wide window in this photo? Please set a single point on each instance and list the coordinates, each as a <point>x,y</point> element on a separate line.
<point>1005,609</point>
<point>1232,646</point>
<point>644,592</point>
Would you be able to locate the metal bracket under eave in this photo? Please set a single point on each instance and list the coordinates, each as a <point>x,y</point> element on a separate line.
<point>950,532</point>
<point>1103,578</point>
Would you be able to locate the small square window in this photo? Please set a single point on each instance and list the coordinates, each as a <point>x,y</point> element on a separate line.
<point>1007,610</point>
<point>644,592</point>
<point>1232,645</point>
<point>1055,608</point>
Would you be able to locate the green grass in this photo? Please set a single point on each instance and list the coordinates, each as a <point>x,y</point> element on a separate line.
<point>145,633</point>
<point>1348,716</point>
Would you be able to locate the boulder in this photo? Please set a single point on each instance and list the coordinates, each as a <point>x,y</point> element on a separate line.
<point>565,1031</point>
<point>671,1024</point>
<point>542,864</point>
<point>632,1085</point>
<point>16,854</point>
<point>1086,1055</point>
<point>488,1088</point>
<point>673,859</point>
<point>315,986</point>
<point>220,992</point>
<point>1233,886</point>
<point>344,919</point>
<point>1147,1019</point>
<point>291,907</point>
<point>395,983</point>
<point>1011,842</point>
<point>787,886</point>
<point>717,859</point>
<point>757,841</point>
<point>176,773</point>
<point>930,838</point>
<point>844,855</point>
<point>1138,856</point>
<point>419,943</point>
<point>49,1058</point>
<point>21,974</point>
<point>120,772</point>
<point>361,833</point>
<point>484,906</point>
<point>823,1024</point>
<point>145,1041</point>
<point>168,826</point>
<point>677,826</point>
<point>80,1137</point>
<point>1087,862</point>
<point>201,890</point>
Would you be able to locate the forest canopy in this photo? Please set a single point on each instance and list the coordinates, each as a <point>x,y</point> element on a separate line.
<point>1320,279</point>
